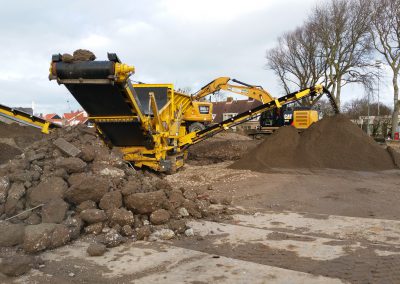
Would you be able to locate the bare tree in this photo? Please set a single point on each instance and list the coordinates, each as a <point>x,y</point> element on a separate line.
<point>359,107</point>
<point>386,39</point>
<point>343,28</point>
<point>333,47</point>
<point>297,60</point>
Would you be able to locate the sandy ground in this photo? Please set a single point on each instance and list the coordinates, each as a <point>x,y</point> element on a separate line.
<point>347,193</point>
<point>300,226</point>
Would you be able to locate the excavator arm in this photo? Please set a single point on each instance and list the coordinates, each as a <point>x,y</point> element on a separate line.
<point>222,83</point>
<point>196,137</point>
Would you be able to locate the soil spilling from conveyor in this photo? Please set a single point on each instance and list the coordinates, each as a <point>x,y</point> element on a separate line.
<point>334,142</point>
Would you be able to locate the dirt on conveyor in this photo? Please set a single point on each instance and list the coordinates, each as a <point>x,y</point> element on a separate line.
<point>334,142</point>
<point>14,138</point>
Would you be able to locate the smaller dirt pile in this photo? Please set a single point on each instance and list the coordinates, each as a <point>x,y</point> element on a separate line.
<point>225,146</point>
<point>333,142</point>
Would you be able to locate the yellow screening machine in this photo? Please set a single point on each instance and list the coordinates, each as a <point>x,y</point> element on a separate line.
<point>147,122</point>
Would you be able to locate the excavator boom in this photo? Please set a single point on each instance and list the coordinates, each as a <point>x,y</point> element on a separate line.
<point>222,83</point>
<point>193,138</point>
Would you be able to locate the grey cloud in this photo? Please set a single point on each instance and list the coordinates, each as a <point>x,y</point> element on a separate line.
<point>161,40</point>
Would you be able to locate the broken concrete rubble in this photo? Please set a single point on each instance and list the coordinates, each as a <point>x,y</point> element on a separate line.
<point>16,265</point>
<point>96,249</point>
<point>71,184</point>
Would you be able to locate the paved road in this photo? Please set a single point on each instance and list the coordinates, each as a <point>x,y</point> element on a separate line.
<point>266,247</point>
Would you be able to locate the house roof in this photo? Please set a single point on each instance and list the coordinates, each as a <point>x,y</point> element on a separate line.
<point>235,106</point>
<point>76,117</point>
<point>51,116</point>
<point>73,114</point>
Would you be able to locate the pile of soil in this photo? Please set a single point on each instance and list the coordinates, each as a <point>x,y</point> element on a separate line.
<point>225,146</point>
<point>22,135</point>
<point>8,152</point>
<point>70,184</point>
<point>334,142</point>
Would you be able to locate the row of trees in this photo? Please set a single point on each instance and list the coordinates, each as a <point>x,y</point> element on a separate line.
<point>339,44</point>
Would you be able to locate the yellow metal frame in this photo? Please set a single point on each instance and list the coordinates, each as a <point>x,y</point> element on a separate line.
<point>165,128</point>
<point>192,138</point>
<point>26,119</point>
<point>221,83</point>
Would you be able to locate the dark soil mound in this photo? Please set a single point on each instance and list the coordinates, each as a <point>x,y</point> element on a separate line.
<point>225,146</point>
<point>23,135</point>
<point>333,142</point>
<point>7,152</point>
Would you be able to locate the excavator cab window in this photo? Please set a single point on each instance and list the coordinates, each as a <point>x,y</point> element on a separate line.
<point>204,109</point>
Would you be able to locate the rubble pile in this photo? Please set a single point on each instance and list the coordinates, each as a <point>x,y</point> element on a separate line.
<point>70,184</point>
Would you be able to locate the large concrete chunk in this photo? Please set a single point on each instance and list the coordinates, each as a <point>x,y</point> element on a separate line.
<point>160,216</point>
<point>93,216</point>
<point>11,234</point>
<point>145,203</point>
<point>38,237</point>
<point>87,187</point>
<point>15,193</point>
<point>54,211</point>
<point>71,165</point>
<point>16,265</point>
<point>111,200</point>
<point>66,147</point>
<point>47,190</point>
<point>4,186</point>
<point>121,217</point>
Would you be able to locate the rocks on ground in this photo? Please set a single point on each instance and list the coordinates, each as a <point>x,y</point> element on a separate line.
<point>70,184</point>
<point>17,265</point>
<point>96,249</point>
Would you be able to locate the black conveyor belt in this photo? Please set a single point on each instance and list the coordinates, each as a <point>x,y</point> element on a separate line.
<point>107,101</point>
<point>84,69</point>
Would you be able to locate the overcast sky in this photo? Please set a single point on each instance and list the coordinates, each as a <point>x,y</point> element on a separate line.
<point>184,42</point>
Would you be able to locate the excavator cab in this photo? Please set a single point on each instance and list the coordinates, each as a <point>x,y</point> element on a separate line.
<point>299,117</point>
